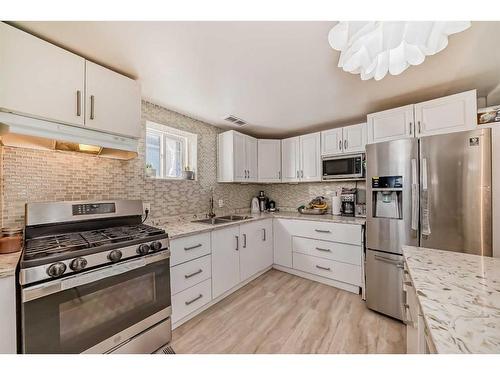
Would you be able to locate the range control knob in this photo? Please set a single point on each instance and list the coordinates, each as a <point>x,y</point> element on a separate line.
<point>143,249</point>
<point>156,245</point>
<point>56,269</point>
<point>78,264</point>
<point>115,255</point>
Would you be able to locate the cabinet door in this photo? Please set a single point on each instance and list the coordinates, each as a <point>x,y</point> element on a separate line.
<point>226,246</point>
<point>113,102</point>
<point>251,159</point>
<point>269,160</point>
<point>448,114</point>
<point>282,243</point>
<point>256,248</point>
<point>40,79</point>
<point>390,125</point>
<point>332,142</point>
<point>310,157</point>
<point>354,138</point>
<point>290,159</point>
<point>8,314</point>
<point>239,154</point>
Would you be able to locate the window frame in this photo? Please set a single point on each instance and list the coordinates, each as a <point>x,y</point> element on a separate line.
<point>189,145</point>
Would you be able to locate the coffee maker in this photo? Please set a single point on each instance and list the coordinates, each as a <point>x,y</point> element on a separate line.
<point>348,202</point>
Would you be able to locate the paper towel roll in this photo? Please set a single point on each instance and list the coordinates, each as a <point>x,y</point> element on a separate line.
<point>335,205</point>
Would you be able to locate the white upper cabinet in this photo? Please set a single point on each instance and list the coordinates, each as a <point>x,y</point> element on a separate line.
<point>290,159</point>
<point>390,125</point>
<point>448,114</point>
<point>310,157</point>
<point>301,158</point>
<point>332,142</point>
<point>348,139</point>
<point>236,157</point>
<point>39,79</point>
<point>438,116</point>
<point>354,137</point>
<point>113,102</point>
<point>269,160</point>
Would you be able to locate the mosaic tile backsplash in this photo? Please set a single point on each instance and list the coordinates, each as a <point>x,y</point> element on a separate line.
<point>33,175</point>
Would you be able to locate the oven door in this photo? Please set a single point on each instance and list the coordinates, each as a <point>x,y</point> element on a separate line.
<point>97,310</point>
<point>343,167</point>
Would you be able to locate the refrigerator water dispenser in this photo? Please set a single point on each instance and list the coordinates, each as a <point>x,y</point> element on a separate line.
<point>387,197</point>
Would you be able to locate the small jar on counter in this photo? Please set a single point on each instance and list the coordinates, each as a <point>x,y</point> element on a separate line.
<point>11,240</point>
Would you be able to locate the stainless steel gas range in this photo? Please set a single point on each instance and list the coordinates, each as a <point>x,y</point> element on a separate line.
<point>94,279</point>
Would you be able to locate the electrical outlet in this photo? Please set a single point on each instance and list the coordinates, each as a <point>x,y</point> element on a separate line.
<point>221,203</point>
<point>146,206</point>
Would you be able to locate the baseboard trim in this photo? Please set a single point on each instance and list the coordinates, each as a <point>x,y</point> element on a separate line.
<point>323,280</point>
<point>218,299</point>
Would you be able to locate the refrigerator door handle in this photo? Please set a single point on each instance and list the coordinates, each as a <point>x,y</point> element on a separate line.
<point>414,195</point>
<point>426,226</point>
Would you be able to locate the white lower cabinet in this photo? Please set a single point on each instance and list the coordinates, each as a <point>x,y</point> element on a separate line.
<point>256,252</point>
<point>8,314</point>
<point>226,245</point>
<point>283,242</point>
<point>190,300</point>
<point>340,252</point>
<point>190,273</point>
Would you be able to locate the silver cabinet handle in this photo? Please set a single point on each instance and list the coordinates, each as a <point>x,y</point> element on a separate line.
<point>92,115</point>
<point>244,240</point>
<point>410,126</point>
<point>237,243</point>
<point>297,174</point>
<point>302,173</point>
<point>78,103</point>
<point>193,300</point>
<point>322,231</point>
<point>189,275</point>
<point>192,247</point>
<point>340,145</point>
<point>279,175</point>
<point>419,128</point>
<point>322,249</point>
<point>263,234</point>
<point>323,268</point>
<point>345,144</point>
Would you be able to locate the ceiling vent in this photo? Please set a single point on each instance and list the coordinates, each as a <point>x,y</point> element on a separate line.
<point>235,120</point>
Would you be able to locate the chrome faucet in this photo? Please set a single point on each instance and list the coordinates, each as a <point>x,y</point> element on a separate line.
<point>211,212</point>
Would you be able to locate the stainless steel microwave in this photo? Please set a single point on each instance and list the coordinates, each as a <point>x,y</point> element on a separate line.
<point>343,166</point>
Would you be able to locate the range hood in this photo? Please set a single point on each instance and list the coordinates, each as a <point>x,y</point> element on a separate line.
<point>27,132</point>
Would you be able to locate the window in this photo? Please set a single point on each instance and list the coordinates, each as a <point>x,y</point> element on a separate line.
<point>169,152</point>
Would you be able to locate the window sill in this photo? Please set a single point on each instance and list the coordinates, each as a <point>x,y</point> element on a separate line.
<point>168,178</point>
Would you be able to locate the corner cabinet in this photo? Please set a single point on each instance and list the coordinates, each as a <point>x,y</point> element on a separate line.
<point>448,114</point>
<point>348,139</point>
<point>236,157</point>
<point>41,80</point>
<point>269,160</point>
<point>301,158</point>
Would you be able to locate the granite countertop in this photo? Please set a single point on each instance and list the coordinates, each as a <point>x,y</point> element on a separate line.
<point>180,228</point>
<point>8,263</point>
<point>459,295</point>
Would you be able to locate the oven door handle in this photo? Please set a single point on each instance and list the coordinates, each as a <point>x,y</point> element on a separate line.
<point>51,287</point>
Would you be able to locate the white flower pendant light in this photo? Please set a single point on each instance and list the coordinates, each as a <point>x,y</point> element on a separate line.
<point>373,48</point>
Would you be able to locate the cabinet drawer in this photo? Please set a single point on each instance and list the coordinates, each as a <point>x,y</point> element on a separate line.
<point>345,233</point>
<point>191,299</point>
<point>330,250</point>
<point>187,248</point>
<point>331,269</point>
<point>186,275</point>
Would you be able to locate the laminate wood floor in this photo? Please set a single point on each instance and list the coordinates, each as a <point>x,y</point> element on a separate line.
<point>283,313</point>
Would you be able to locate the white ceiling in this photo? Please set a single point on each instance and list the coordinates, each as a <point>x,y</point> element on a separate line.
<point>281,77</point>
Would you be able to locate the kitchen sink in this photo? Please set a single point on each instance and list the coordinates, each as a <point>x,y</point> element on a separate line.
<point>234,217</point>
<point>222,219</point>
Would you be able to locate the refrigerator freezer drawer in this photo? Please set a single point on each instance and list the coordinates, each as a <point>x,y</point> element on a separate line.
<point>384,283</point>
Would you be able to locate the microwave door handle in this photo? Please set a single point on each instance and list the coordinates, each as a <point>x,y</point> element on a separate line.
<point>73,281</point>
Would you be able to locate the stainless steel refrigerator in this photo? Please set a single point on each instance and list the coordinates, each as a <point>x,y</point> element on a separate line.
<point>431,192</point>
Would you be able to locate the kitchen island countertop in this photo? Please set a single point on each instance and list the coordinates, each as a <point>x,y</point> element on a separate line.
<point>459,296</point>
